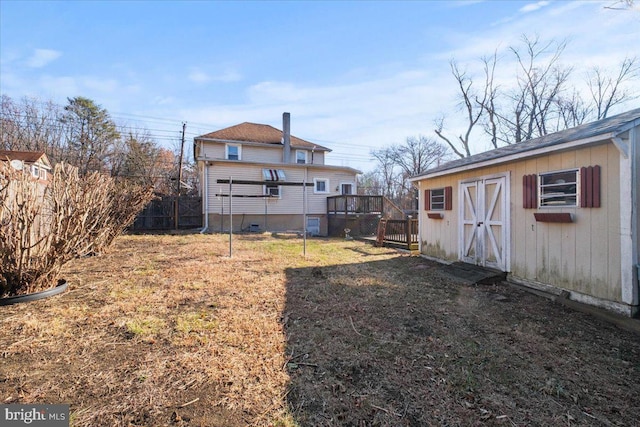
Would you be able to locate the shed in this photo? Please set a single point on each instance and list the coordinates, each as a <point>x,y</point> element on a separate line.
<point>558,213</point>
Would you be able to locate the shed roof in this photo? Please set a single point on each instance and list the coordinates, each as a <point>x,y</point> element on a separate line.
<point>257,133</point>
<point>605,128</point>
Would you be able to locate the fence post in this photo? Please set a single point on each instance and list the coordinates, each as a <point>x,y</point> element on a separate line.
<point>408,231</point>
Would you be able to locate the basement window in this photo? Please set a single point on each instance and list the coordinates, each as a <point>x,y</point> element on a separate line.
<point>558,188</point>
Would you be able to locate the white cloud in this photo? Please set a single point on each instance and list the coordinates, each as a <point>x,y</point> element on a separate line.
<point>532,7</point>
<point>197,75</point>
<point>42,57</point>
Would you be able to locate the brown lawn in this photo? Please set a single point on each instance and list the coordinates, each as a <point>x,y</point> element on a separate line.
<point>170,331</point>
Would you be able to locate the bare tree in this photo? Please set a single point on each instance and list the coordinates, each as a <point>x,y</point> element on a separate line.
<point>387,172</point>
<point>542,100</point>
<point>31,125</point>
<point>473,104</point>
<point>609,90</point>
<point>399,162</point>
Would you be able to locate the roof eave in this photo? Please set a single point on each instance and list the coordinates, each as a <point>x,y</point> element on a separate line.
<point>281,165</point>
<point>517,156</point>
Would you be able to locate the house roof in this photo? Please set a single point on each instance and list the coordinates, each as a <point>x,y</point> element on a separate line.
<point>257,133</point>
<point>602,129</point>
<point>25,156</point>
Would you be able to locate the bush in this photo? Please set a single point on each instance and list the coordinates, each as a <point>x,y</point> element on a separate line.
<point>45,225</point>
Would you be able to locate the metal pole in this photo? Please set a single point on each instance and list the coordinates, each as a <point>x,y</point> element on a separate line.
<point>304,213</point>
<point>176,211</point>
<point>230,216</point>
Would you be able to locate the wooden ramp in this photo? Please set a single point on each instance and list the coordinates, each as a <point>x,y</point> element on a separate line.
<point>474,274</point>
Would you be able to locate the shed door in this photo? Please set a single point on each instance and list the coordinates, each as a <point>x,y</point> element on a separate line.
<point>484,225</point>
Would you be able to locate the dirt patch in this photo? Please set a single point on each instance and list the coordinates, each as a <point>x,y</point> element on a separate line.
<point>168,330</point>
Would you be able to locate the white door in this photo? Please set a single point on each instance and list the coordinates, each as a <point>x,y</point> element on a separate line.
<point>484,225</point>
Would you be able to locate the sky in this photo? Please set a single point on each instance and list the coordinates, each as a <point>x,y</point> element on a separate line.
<point>356,76</point>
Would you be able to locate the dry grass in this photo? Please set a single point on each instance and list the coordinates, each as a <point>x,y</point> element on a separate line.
<point>167,330</point>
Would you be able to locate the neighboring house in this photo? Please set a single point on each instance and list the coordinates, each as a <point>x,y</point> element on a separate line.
<point>268,168</point>
<point>559,212</point>
<point>35,163</point>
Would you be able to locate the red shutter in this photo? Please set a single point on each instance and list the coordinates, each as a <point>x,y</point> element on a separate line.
<point>427,200</point>
<point>590,187</point>
<point>448,195</point>
<point>583,187</point>
<point>596,187</point>
<point>530,191</point>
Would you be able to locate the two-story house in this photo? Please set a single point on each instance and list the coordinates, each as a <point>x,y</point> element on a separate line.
<point>276,180</point>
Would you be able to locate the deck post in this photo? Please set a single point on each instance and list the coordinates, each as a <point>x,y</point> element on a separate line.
<point>408,231</point>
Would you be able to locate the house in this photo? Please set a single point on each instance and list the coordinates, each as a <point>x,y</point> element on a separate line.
<point>36,163</point>
<point>277,179</point>
<point>558,213</point>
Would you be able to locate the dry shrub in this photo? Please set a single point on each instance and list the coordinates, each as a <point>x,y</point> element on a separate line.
<point>43,226</point>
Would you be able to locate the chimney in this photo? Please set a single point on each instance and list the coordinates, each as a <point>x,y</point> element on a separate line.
<point>286,137</point>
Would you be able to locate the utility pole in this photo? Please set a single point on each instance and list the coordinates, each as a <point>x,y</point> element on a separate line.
<point>177,202</point>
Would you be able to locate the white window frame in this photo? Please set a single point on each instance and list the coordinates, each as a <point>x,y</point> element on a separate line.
<point>35,171</point>
<point>266,193</point>
<point>548,198</point>
<point>305,153</point>
<point>327,189</point>
<point>226,151</point>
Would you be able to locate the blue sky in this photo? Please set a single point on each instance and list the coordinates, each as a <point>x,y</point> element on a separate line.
<point>355,76</point>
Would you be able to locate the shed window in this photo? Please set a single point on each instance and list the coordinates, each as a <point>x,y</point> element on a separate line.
<point>558,188</point>
<point>438,199</point>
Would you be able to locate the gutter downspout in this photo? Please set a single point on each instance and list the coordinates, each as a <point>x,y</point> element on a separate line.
<point>205,196</point>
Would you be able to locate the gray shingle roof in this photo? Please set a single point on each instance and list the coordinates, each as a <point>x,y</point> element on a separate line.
<point>609,126</point>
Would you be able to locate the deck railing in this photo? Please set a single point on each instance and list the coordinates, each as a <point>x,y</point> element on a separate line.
<point>395,232</point>
<point>352,204</point>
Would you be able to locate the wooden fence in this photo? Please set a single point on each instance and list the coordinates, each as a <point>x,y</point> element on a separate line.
<point>160,214</point>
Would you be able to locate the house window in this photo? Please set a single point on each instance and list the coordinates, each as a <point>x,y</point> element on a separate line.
<point>346,189</point>
<point>35,171</point>
<point>233,152</point>
<point>438,199</point>
<point>321,186</point>
<point>558,188</point>
<point>301,156</point>
<point>272,190</point>
<point>273,175</point>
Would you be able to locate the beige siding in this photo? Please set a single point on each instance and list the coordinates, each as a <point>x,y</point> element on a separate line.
<point>582,256</point>
<point>256,153</point>
<point>291,200</point>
